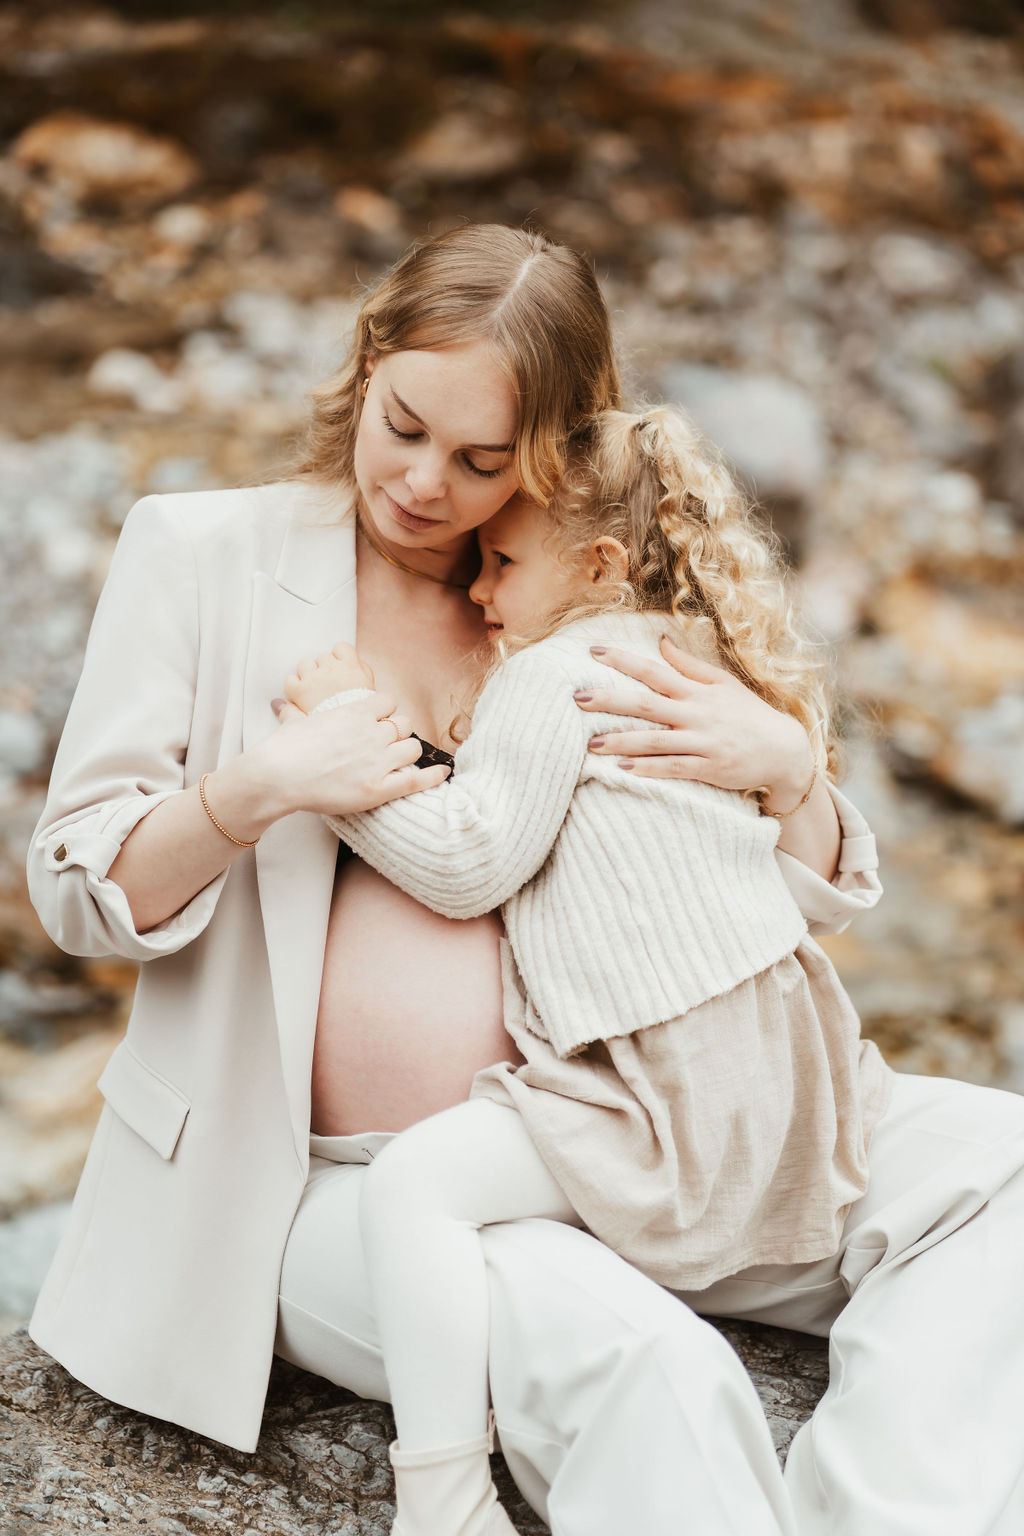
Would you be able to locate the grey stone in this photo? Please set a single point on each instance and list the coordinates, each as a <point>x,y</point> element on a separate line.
<point>965,341</point>
<point>985,759</point>
<point>22,742</point>
<point>320,1469</point>
<point>135,377</point>
<point>912,267</point>
<point>27,1244</point>
<point>767,427</point>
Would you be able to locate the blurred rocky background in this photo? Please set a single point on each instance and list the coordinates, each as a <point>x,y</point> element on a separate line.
<point>808,219</point>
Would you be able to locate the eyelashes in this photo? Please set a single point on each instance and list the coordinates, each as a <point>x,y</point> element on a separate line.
<point>410,437</point>
<point>407,437</point>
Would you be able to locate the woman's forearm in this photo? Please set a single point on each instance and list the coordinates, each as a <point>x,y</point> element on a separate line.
<point>343,760</point>
<point>176,849</point>
<point>811,834</point>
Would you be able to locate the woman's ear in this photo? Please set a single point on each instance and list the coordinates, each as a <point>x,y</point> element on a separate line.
<point>609,560</point>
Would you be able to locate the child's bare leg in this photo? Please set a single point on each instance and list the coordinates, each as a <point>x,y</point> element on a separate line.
<point>426,1195</point>
<point>336,671</point>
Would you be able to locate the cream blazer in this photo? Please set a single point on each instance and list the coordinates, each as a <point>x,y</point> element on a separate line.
<point>163,1293</point>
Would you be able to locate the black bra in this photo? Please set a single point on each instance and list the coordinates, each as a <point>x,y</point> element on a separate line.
<point>431,755</point>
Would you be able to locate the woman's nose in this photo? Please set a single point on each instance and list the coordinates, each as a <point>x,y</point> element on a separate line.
<point>425,478</point>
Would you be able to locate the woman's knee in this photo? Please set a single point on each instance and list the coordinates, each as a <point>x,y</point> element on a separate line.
<point>548,1278</point>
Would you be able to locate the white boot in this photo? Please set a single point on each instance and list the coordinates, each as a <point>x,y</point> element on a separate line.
<point>448,1491</point>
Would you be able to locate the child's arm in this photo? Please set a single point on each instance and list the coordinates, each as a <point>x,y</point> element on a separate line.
<point>467,846</point>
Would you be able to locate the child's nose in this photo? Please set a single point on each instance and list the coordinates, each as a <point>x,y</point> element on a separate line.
<point>480,591</point>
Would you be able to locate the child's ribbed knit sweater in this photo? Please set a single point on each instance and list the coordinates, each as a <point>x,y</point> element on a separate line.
<point>627,901</point>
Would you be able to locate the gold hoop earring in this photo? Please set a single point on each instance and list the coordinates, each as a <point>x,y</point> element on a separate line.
<point>366,385</point>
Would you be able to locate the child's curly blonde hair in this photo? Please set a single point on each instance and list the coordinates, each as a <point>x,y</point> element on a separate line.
<point>696,551</point>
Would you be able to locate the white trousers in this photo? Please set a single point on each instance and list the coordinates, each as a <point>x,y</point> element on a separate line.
<point>617,1405</point>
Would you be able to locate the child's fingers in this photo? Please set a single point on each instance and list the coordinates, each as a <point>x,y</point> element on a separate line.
<point>286,712</point>
<point>347,654</point>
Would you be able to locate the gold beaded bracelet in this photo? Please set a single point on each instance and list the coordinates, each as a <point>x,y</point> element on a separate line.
<point>781,815</point>
<point>206,807</point>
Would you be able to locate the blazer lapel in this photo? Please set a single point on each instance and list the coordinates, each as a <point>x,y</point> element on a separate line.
<point>308,604</point>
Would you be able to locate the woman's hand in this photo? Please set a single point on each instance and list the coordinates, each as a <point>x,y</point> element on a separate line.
<point>351,758</point>
<point>347,759</point>
<point>708,726</point>
<point>703,724</point>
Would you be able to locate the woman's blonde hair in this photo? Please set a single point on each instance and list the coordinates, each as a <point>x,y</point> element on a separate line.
<point>695,551</point>
<point>536,302</point>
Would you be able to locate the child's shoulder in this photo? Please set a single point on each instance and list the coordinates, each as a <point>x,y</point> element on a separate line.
<point>638,632</point>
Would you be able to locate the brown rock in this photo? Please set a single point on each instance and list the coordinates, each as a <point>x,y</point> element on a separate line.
<point>96,160</point>
<point>369,210</point>
<point>947,676</point>
<point>465,145</point>
<point>48,1111</point>
<point>950,642</point>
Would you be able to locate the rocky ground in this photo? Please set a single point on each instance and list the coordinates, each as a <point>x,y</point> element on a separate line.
<point>808,220</point>
<point>69,1461</point>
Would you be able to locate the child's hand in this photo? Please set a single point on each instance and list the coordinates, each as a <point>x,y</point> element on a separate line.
<point>334,671</point>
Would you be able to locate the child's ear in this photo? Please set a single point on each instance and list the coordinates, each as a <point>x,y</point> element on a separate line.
<point>609,560</point>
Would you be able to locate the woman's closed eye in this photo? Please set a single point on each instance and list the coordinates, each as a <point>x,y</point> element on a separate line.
<point>407,437</point>
<point>411,437</point>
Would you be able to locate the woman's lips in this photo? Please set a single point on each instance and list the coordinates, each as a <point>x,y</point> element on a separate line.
<point>409,519</point>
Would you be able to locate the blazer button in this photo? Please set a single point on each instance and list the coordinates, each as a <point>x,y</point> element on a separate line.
<point>60,853</point>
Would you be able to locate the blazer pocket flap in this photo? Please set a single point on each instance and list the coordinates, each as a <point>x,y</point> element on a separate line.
<point>145,1101</point>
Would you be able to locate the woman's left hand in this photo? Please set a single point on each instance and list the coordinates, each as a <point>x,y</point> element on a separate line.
<point>703,724</point>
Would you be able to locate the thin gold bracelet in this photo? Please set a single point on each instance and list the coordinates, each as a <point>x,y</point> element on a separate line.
<point>206,807</point>
<point>781,815</point>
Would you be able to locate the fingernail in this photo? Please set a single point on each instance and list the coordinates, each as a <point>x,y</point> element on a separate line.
<point>277,705</point>
<point>626,762</point>
<point>595,742</point>
<point>598,650</point>
<point>583,698</point>
<point>669,640</point>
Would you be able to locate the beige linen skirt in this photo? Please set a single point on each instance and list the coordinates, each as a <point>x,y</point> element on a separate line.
<point>735,1134</point>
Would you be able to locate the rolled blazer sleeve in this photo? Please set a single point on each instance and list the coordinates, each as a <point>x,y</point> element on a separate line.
<point>124,744</point>
<point>830,906</point>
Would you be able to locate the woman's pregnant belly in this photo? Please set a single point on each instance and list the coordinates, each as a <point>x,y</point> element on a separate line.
<point>410,1008</point>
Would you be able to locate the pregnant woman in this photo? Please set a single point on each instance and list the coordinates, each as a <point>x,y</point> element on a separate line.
<point>294,1008</point>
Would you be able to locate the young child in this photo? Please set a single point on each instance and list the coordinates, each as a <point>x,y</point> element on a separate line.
<point>694,1087</point>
